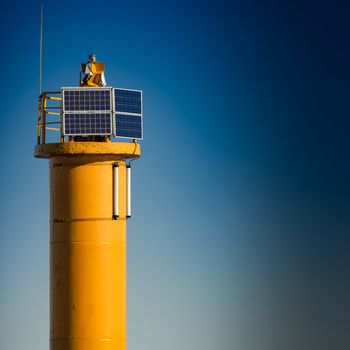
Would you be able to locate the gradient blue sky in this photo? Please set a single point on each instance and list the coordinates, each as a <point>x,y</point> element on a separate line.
<point>240,232</point>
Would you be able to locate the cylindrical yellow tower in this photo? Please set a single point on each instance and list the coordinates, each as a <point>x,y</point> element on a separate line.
<point>88,243</point>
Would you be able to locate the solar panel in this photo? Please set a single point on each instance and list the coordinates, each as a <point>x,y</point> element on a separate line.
<point>128,101</point>
<point>129,126</point>
<point>86,99</point>
<point>82,124</point>
<point>88,111</point>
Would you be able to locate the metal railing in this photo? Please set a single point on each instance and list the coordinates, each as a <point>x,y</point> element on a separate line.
<point>49,115</point>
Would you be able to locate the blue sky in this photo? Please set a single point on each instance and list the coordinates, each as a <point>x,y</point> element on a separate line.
<point>239,236</point>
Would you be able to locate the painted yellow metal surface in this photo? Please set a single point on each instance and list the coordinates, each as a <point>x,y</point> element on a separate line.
<point>119,150</point>
<point>88,247</point>
<point>97,68</point>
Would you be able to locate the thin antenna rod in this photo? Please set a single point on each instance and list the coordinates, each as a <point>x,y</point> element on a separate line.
<point>41,48</point>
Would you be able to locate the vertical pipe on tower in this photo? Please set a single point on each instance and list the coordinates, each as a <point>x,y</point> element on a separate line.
<point>128,191</point>
<point>116,190</point>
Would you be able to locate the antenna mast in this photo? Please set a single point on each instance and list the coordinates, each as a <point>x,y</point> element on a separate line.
<point>41,48</point>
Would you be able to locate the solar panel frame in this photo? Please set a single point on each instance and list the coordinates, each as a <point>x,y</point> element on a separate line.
<point>122,112</point>
<point>116,133</point>
<point>86,90</point>
<point>112,112</point>
<point>116,113</point>
<point>98,114</point>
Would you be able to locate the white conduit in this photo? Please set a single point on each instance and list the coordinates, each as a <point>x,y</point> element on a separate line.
<point>128,191</point>
<point>116,191</point>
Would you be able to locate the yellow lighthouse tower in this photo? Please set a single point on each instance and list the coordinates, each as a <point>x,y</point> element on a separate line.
<point>90,201</point>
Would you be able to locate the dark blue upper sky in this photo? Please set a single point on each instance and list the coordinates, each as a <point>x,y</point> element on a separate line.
<point>240,233</point>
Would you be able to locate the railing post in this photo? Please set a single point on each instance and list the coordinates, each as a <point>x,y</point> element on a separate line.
<point>39,121</point>
<point>43,124</point>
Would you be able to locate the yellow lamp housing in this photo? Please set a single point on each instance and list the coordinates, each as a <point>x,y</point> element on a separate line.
<point>93,73</point>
